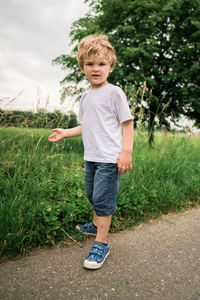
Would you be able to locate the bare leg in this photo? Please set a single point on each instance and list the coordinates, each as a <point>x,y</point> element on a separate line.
<point>103,225</point>
<point>95,219</point>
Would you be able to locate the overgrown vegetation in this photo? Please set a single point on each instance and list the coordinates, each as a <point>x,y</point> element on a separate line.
<point>42,186</point>
<point>41,119</point>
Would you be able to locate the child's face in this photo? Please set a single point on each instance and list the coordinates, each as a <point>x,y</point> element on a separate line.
<point>97,70</point>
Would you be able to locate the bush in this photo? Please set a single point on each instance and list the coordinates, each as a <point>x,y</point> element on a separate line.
<point>41,119</point>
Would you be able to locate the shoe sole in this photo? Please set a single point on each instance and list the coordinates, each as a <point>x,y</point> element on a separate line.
<point>94,266</point>
<point>86,233</point>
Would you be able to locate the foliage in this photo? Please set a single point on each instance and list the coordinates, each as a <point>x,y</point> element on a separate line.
<point>157,42</point>
<point>42,186</point>
<point>41,119</point>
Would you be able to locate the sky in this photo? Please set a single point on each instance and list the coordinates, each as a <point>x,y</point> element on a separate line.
<point>32,34</point>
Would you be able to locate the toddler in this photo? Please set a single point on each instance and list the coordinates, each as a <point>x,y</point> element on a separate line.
<point>103,116</point>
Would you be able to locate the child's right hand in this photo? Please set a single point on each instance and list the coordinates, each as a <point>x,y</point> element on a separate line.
<point>58,135</point>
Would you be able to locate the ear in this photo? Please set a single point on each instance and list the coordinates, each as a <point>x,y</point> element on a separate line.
<point>111,69</point>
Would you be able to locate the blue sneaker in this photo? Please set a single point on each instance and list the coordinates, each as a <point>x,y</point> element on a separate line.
<point>87,229</point>
<point>97,256</point>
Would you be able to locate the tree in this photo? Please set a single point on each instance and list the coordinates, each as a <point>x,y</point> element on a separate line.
<point>72,120</point>
<point>157,42</point>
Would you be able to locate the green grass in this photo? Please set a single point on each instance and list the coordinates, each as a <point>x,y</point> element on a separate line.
<point>42,186</point>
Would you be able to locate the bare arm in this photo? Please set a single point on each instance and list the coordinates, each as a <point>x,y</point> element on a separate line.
<point>59,133</point>
<point>124,161</point>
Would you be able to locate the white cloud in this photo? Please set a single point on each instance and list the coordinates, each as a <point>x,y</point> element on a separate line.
<point>32,33</point>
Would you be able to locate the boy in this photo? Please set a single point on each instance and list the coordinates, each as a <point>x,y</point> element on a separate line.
<point>104,112</point>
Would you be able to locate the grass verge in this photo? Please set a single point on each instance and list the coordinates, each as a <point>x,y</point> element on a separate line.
<point>42,186</point>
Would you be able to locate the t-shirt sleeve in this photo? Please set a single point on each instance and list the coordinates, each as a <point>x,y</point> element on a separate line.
<point>121,107</point>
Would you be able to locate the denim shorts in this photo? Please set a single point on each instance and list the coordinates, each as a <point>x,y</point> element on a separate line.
<point>101,186</point>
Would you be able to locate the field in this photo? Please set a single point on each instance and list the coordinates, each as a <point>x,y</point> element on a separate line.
<point>42,186</point>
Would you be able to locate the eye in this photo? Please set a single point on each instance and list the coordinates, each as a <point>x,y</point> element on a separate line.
<point>89,64</point>
<point>102,64</point>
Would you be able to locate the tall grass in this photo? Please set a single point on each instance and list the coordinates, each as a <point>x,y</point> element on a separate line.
<point>164,178</point>
<point>42,186</point>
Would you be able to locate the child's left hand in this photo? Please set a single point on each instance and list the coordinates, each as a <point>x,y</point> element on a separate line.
<point>124,162</point>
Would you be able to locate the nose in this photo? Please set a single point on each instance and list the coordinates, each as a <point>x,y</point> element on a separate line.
<point>95,67</point>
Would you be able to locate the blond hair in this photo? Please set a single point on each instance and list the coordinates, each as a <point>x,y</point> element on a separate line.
<point>97,45</point>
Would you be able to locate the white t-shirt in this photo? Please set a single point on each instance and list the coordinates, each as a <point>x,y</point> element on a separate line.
<point>101,113</point>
